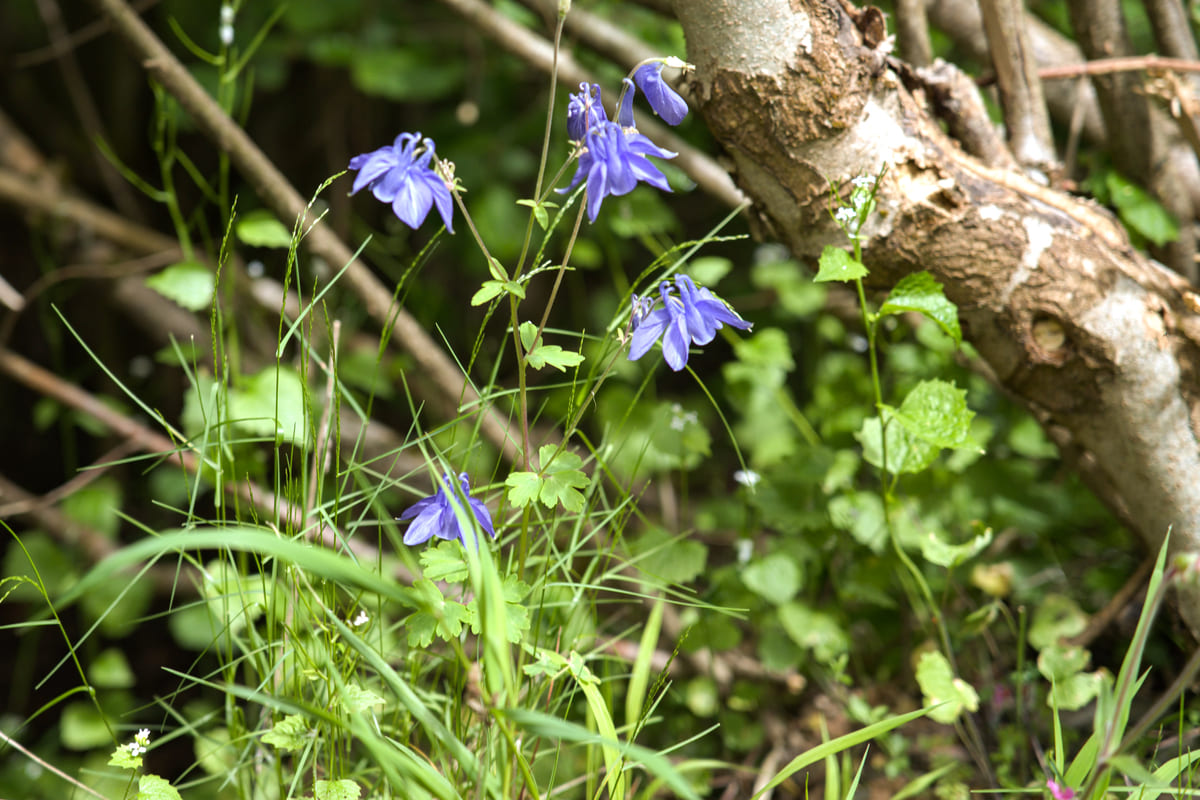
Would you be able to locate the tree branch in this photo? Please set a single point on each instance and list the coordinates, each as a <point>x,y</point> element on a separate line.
<point>1102,344</point>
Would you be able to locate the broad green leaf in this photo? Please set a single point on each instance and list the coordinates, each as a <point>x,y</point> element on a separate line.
<point>444,562</point>
<point>861,514</point>
<point>290,733</point>
<point>188,283</point>
<point>921,293</point>
<point>81,727</point>
<point>709,270</point>
<point>936,412</point>
<point>1076,691</point>
<point>152,787</point>
<point>405,74</point>
<point>261,229</point>
<point>673,559</point>
<point>1141,212</point>
<point>775,578</point>
<point>938,551</point>
<point>797,295</point>
<point>814,630</point>
<point>110,670</point>
<point>838,265</point>
<point>905,452</point>
<point>939,685</point>
<point>1057,617</point>
<point>1058,662</point>
<point>97,505</point>
<point>343,789</point>
<point>270,403</point>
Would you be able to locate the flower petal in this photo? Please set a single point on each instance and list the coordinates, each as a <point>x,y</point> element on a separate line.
<point>665,101</point>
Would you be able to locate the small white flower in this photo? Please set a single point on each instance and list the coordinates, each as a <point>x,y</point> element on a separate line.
<point>863,181</point>
<point>360,620</point>
<point>227,14</point>
<point>747,477</point>
<point>845,215</point>
<point>142,737</point>
<point>226,34</point>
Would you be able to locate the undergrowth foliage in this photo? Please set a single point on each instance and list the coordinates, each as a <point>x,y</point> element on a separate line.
<point>440,621</point>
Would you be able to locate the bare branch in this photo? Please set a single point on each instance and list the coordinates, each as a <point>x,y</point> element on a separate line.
<point>1026,120</point>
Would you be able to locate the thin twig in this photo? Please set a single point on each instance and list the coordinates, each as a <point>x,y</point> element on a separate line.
<point>48,766</point>
<point>1108,66</point>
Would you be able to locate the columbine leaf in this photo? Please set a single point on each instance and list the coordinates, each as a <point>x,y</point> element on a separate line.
<point>491,289</point>
<point>438,616</point>
<point>516,613</point>
<point>528,333</point>
<point>921,293</point>
<point>939,685</point>
<point>188,283</point>
<point>497,269</point>
<point>290,733</point>
<point>523,488</point>
<point>444,562</point>
<point>562,478</point>
<point>554,356</point>
<point>838,265</point>
<point>539,211</point>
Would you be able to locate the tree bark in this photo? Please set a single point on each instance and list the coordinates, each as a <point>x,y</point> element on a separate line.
<point>1101,343</point>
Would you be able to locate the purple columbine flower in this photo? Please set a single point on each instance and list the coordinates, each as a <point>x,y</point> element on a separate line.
<point>584,111</point>
<point>435,516</point>
<point>665,101</point>
<point>613,160</point>
<point>692,317</point>
<point>400,174</point>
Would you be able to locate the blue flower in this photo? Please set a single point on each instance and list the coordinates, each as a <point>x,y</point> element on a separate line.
<point>692,317</point>
<point>400,174</point>
<point>436,515</point>
<point>613,160</point>
<point>584,111</point>
<point>665,101</point>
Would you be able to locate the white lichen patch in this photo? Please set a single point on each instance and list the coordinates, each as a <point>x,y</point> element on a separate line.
<point>990,213</point>
<point>1039,235</point>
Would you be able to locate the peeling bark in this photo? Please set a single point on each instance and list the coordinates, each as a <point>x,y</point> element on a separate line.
<point>1101,343</point>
